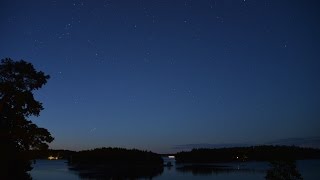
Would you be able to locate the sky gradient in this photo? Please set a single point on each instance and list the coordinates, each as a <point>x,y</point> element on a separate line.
<point>157,74</point>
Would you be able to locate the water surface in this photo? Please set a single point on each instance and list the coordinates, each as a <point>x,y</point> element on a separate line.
<point>309,169</point>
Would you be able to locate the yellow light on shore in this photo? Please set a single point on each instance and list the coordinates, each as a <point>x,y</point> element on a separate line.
<point>53,157</point>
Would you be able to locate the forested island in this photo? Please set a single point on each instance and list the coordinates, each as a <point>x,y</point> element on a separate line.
<point>107,162</point>
<point>253,153</point>
<point>116,163</point>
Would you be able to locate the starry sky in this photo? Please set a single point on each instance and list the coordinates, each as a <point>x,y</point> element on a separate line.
<point>157,74</point>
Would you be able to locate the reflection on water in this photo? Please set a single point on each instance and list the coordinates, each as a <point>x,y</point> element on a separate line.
<point>59,169</point>
<point>209,169</point>
<point>52,170</point>
<point>119,172</point>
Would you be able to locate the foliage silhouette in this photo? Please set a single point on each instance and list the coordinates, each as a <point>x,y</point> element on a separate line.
<point>116,163</point>
<point>18,135</point>
<point>283,170</point>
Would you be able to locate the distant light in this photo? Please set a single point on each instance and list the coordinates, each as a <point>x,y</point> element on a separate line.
<point>237,157</point>
<point>50,157</point>
<point>53,158</point>
<point>171,157</point>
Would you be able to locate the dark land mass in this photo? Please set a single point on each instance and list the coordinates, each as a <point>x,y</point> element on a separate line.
<point>116,163</point>
<point>253,153</point>
<point>44,154</point>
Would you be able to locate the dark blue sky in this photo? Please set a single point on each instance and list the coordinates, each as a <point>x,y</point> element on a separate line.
<point>156,74</point>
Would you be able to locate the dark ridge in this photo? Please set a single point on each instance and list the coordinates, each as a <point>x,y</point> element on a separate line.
<point>253,153</point>
<point>116,163</point>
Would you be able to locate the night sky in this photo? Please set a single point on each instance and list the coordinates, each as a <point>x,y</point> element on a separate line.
<point>157,74</point>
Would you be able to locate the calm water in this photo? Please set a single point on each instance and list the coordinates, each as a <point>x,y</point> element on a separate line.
<point>58,169</point>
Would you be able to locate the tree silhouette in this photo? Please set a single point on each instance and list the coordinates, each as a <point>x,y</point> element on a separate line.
<point>283,170</point>
<point>18,135</point>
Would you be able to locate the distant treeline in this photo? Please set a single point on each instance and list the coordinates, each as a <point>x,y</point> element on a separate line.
<point>44,154</point>
<point>116,163</point>
<point>253,153</point>
<point>116,155</point>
